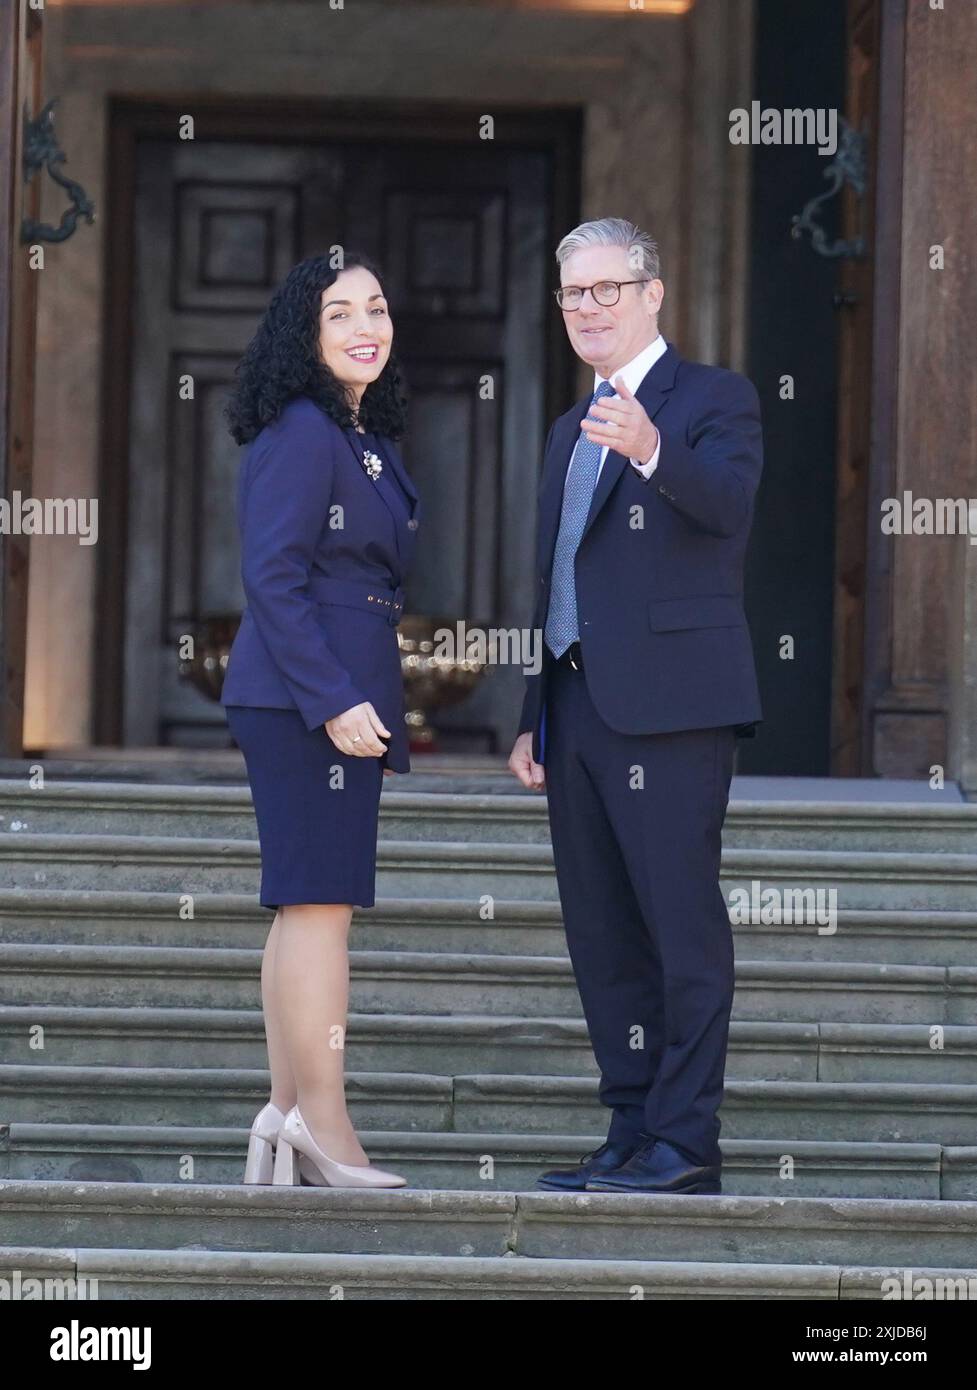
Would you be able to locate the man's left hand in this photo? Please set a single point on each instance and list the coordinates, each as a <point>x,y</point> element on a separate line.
<point>626,427</point>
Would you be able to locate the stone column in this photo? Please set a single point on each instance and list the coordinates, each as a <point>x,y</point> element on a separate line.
<point>927,656</point>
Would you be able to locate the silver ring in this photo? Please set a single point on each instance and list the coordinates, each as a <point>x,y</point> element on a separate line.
<point>357,738</point>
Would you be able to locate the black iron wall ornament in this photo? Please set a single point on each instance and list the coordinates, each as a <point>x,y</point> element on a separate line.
<point>848,166</point>
<point>42,151</point>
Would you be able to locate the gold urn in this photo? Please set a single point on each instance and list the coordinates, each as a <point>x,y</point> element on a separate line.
<point>433,679</point>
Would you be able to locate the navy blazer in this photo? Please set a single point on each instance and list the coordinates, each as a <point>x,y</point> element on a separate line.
<point>324,552</point>
<point>659,568</point>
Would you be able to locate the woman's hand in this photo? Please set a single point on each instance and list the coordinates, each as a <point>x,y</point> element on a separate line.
<point>356,731</point>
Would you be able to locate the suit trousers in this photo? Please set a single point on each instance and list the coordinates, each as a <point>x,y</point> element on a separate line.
<point>636,825</point>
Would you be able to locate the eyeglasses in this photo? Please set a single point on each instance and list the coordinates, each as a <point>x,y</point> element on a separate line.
<point>606,292</point>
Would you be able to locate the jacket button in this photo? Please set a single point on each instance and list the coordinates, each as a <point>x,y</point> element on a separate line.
<point>412,525</point>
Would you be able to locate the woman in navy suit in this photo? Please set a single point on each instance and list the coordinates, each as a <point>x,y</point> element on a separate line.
<point>313,690</point>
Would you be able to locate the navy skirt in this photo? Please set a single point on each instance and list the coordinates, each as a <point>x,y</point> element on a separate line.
<point>317,809</point>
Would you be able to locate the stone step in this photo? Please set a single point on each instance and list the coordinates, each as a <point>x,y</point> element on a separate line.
<point>107,917</point>
<point>432,771</point>
<point>71,1035</point>
<point>476,872</point>
<point>418,981</point>
<point>517,816</point>
<point>871,1111</point>
<point>140,1274</point>
<point>485,1162</point>
<point>104,917</point>
<point>307,1220</point>
<point>188,866</point>
<point>226,812</point>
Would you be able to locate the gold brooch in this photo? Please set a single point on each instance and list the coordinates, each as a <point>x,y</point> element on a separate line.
<point>372,463</point>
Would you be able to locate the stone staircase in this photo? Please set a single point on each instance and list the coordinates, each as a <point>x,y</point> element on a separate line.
<point>132,1058</point>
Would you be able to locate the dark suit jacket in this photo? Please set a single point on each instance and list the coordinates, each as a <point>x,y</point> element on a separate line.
<point>324,551</point>
<point>659,568</point>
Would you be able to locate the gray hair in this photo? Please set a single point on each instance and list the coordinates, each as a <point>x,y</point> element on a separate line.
<point>614,231</point>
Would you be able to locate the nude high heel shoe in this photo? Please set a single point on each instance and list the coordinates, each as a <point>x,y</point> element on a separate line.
<point>259,1166</point>
<point>297,1152</point>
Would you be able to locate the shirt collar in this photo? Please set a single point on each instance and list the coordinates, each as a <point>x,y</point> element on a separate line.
<point>635,371</point>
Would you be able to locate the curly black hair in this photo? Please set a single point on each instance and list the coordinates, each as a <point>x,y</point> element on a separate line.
<point>283,360</point>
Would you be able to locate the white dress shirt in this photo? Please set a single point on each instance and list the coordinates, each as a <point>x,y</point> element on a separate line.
<point>633,373</point>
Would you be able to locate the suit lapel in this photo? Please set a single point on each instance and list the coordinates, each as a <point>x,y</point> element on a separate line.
<point>652,393</point>
<point>391,454</point>
<point>385,488</point>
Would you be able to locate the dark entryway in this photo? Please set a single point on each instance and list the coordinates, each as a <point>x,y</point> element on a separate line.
<point>797,327</point>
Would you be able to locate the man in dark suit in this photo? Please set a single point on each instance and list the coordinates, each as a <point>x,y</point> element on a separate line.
<point>647,678</point>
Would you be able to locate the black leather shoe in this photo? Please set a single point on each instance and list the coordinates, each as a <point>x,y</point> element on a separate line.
<point>658,1167</point>
<point>603,1160</point>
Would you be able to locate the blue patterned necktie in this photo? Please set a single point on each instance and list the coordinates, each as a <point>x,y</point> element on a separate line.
<point>578,491</point>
